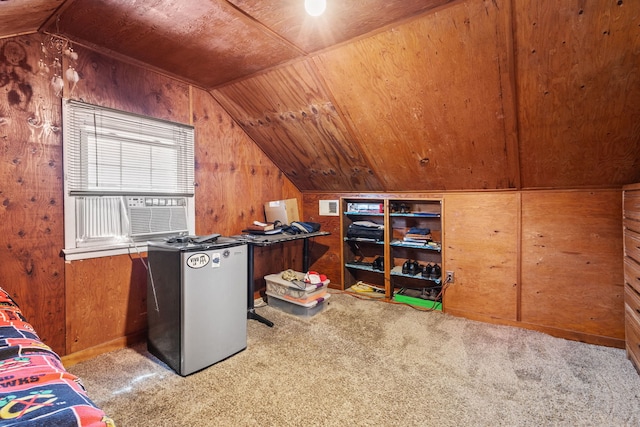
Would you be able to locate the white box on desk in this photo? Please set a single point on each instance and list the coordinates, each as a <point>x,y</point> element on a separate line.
<point>285,211</point>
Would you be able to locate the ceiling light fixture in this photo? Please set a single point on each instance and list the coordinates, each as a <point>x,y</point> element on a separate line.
<point>315,7</point>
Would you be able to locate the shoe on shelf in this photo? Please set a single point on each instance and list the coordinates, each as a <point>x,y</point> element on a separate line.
<point>414,268</point>
<point>405,267</point>
<point>436,272</point>
<point>426,271</point>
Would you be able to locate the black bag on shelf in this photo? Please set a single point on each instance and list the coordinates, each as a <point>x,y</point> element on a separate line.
<point>357,231</point>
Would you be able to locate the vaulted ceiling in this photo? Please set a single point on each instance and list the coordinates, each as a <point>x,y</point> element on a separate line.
<point>394,95</point>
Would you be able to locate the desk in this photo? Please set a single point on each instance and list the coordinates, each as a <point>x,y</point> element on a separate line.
<point>270,240</point>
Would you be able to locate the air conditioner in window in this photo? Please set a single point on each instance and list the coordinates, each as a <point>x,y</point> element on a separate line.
<point>152,216</point>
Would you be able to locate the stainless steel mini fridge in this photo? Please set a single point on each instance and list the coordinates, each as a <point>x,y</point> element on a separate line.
<point>196,302</point>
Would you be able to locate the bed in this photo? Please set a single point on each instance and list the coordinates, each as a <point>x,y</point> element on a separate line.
<point>35,388</point>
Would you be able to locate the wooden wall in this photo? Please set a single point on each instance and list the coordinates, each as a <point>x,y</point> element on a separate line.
<point>572,278</point>
<point>86,307</point>
<point>481,236</point>
<point>31,218</point>
<point>549,260</point>
<point>578,91</point>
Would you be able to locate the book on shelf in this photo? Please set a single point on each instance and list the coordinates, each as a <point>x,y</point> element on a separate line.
<point>420,237</point>
<point>417,241</point>
<point>422,231</point>
<point>418,234</point>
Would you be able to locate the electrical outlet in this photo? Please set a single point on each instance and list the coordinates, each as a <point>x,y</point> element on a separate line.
<point>449,277</point>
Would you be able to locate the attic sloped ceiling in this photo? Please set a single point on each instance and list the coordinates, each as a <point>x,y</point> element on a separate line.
<point>206,43</point>
<point>394,95</point>
<point>288,113</point>
<point>23,17</point>
<point>472,96</point>
<point>342,21</point>
<point>212,42</point>
<point>392,112</point>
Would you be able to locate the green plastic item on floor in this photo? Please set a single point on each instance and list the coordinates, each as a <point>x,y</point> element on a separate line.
<point>418,301</point>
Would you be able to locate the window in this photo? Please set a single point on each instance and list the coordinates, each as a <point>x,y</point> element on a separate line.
<point>128,178</point>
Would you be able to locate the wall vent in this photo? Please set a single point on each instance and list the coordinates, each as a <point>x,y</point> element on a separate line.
<point>329,208</point>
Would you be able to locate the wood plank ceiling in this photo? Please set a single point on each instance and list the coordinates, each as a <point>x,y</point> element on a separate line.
<point>394,95</point>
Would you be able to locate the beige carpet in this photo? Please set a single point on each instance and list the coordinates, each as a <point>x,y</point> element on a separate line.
<point>370,363</point>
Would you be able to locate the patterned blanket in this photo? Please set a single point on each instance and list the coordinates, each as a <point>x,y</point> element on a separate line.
<point>35,389</point>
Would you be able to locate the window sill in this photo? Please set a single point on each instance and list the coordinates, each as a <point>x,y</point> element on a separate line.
<point>76,254</point>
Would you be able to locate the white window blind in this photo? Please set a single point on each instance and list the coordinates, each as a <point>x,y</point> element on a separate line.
<point>113,152</point>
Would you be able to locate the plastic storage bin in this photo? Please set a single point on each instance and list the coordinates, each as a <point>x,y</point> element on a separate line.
<point>308,310</point>
<point>297,292</point>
